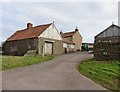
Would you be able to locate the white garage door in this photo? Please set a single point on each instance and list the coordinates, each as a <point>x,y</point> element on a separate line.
<point>48,48</point>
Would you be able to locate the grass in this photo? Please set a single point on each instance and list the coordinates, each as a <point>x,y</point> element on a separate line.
<point>105,73</point>
<point>9,62</point>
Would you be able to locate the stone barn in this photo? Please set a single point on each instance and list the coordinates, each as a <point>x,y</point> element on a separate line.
<point>107,44</point>
<point>75,37</point>
<point>41,39</point>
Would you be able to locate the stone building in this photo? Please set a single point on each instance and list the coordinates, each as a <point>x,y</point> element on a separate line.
<point>107,44</point>
<point>68,45</point>
<point>74,37</point>
<point>42,39</point>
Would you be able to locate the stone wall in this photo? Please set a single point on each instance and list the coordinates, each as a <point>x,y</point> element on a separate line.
<point>57,45</point>
<point>107,49</point>
<point>77,39</point>
<point>19,47</point>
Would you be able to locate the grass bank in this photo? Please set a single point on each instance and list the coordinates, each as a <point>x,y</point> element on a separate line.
<point>105,73</point>
<point>9,62</point>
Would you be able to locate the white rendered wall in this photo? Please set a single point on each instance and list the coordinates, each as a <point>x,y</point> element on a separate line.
<point>65,45</point>
<point>51,33</point>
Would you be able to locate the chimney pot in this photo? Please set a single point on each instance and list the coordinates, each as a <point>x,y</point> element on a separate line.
<point>76,29</point>
<point>61,32</point>
<point>29,25</point>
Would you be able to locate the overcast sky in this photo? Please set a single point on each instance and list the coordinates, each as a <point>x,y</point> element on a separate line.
<point>90,17</point>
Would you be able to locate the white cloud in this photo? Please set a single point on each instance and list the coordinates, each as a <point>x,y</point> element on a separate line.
<point>91,18</point>
<point>0,22</point>
<point>59,0</point>
<point>25,12</point>
<point>44,13</point>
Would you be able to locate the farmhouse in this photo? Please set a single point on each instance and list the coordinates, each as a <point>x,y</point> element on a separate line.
<point>68,45</point>
<point>38,39</point>
<point>107,44</point>
<point>75,37</point>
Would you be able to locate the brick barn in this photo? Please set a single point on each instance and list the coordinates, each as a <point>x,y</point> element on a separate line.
<point>107,44</point>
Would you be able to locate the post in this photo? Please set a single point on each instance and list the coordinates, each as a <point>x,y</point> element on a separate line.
<point>43,52</point>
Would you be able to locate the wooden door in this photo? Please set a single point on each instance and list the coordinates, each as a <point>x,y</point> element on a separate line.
<point>48,48</point>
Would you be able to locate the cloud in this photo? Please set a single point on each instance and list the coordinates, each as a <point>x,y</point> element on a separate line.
<point>90,17</point>
<point>31,12</point>
<point>46,14</point>
<point>59,0</point>
<point>0,22</point>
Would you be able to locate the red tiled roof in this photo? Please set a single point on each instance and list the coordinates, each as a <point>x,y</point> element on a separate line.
<point>68,34</point>
<point>65,40</point>
<point>32,32</point>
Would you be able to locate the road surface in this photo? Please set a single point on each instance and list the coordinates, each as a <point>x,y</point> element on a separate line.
<point>58,74</point>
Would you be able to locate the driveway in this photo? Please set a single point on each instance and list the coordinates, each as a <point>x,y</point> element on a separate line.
<point>57,74</point>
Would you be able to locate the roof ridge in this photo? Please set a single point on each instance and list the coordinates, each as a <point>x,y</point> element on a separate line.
<point>34,27</point>
<point>115,25</point>
<point>106,29</point>
<point>69,32</point>
<point>42,25</point>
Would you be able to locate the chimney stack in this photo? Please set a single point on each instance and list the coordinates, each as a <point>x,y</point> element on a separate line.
<point>61,32</point>
<point>76,29</point>
<point>29,25</point>
<point>112,23</point>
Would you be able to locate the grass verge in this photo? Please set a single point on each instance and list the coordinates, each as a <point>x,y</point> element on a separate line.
<point>9,62</point>
<point>105,73</point>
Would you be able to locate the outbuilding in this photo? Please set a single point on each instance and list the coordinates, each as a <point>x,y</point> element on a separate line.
<point>107,44</point>
<point>41,39</point>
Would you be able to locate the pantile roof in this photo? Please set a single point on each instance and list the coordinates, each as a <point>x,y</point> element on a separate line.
<point>32,32</point>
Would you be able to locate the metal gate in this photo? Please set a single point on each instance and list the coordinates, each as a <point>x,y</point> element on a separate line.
<point>48,48</point>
